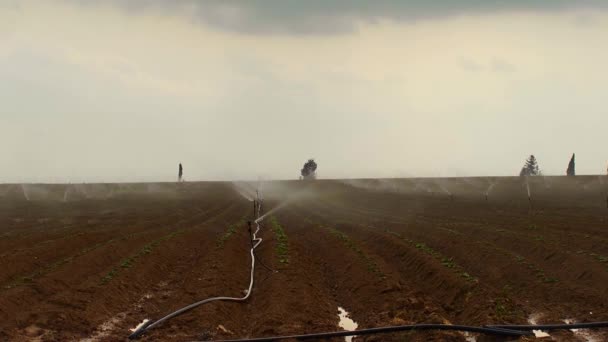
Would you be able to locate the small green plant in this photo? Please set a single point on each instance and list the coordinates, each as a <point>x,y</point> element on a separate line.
<point>500,309</point>
<point>130,261</point>
<point>448,262</point>
<point>231,231</point>
<point>550,280</point>
<point>427,249</point>
<point>282,243</point>
<point>467,276</point>
<point>369,262</point>
<point>445,261</point>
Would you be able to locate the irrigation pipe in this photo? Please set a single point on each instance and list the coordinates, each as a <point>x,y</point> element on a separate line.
<point>549,327</point>
<point>391,329</point>
<point>502,330</point>
<point>255,242</point>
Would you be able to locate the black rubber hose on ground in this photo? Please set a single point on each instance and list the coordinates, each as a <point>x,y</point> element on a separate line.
<point>549,327</point>
<point>392,329</point>
<point>502,330</point>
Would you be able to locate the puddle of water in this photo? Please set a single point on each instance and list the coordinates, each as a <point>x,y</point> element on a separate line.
<point>533,319</point>
<point>346,323</point>
<point>582,333</point>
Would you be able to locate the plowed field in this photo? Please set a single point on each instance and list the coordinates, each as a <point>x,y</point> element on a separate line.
<point>91,261</point>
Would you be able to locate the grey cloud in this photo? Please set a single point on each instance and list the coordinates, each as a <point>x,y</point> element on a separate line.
<point>495,65</point>
<point>330,17</point>
<point>584,21</point>
<point>499,65</point>
<point>470,65</point>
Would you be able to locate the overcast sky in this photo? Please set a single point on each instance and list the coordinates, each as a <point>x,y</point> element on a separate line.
<point>125,90</point>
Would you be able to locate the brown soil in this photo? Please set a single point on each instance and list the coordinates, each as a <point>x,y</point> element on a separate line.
<point>94,263</point>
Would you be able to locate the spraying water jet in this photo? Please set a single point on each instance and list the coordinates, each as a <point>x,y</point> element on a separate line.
<point>445,190</point>
<point>65,194</point>
<point>273,210</point>
<point>241,190</point>
<point>490,189</point>
<point>529,193</point>
<point>25,192</point>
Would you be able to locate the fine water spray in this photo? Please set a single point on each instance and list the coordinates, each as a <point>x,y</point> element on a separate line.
<point>490,189</point>
<point>529,193</point>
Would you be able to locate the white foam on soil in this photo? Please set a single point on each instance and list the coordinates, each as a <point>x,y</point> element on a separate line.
<point>582,333</point>
<point>140,325</point>
<point>533,319</point>
<point>469,337</point>
<point>105,329</point>
<point>346,323</point>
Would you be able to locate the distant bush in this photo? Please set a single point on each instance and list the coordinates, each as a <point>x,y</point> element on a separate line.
<point>530,167</point>
<point>309,171</point>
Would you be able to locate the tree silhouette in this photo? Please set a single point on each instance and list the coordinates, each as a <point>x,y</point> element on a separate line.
<point>530,167</point>
<point>309,169</point>
<point>570,171</point>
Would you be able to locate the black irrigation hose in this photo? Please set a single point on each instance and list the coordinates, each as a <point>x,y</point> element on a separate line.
<point>502,330</point>
<point>549,327</point>
<point>392,329</point>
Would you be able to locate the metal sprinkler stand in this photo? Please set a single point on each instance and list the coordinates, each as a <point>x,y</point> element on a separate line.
<point>250,233</point>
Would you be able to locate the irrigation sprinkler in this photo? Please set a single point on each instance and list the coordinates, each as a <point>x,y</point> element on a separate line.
<point>445,190</point>
<point>25,192</point>
<point>65,193</point>
<point>489,189</point>
<point>250,233</point>
<point>529,193</point>
<point>111,193</point>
